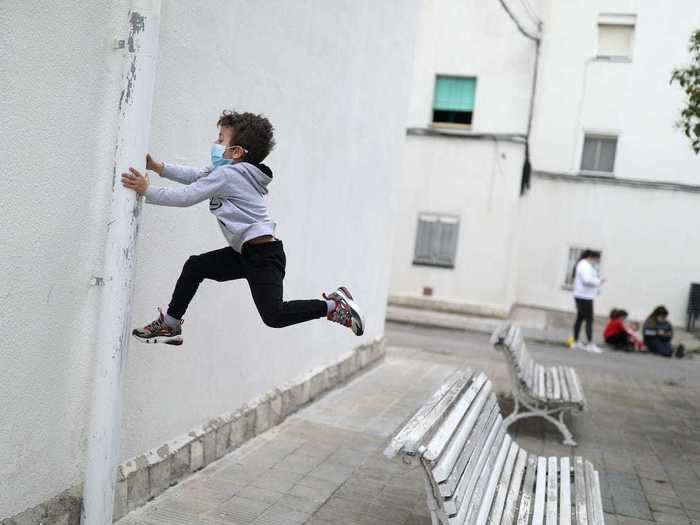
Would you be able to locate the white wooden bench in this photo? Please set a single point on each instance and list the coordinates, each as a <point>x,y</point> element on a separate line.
<point>475,474</point>
<point>548,392</point>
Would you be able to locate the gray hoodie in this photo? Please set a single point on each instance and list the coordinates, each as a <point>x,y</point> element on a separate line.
<point>235,192</point>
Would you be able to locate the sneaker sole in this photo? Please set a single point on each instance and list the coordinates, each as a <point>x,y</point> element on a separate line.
<point>175,341</point>
<point>358,326</point>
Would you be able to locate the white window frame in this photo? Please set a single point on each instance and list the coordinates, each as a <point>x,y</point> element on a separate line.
<point>434,259</point>
<point>620,20</point>
<point>595,134</point>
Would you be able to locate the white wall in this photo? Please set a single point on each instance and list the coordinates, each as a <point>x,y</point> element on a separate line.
<point>647,243</point>
<point>634,100</point>
<point>56,69</point>
<point>515,250</point>
<point>477,179</point>
<point>473,38</point>
<point>333,78</point>
<point>479,182</point>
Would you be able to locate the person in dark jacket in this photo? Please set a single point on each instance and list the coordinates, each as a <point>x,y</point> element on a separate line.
<point>658,333</point>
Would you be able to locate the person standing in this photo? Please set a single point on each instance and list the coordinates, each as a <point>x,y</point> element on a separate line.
<point>587,283</point>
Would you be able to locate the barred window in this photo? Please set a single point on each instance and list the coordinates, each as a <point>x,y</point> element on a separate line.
<point>436,240</point>
<point>574,255</point>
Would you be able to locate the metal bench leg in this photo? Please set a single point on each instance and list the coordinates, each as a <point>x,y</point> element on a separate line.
<point>568,438</point>
<point>565,432</point>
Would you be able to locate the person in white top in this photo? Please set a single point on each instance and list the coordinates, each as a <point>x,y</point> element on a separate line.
<point>587,283</point>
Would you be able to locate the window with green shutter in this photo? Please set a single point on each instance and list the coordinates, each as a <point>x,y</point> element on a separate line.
<point>453,101</point>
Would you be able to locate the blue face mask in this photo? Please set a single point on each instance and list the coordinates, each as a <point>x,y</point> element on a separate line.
<point>217,155</point>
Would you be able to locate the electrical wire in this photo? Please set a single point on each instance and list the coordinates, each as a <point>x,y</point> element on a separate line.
<point>517,23</point>
<point>531,12</point>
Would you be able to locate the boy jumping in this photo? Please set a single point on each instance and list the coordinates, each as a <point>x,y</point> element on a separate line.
<point>235,184</point>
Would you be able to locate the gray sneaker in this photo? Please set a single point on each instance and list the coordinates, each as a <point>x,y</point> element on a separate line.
<point>159,332</point>
<point>346,312</point>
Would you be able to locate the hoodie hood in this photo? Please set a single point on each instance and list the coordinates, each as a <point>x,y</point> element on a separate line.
<point>258,175</point>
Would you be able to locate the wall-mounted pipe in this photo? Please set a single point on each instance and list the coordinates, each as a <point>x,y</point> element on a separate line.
<point>140,48</point>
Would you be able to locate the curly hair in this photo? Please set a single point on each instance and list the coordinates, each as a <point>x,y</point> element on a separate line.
<point>252,132</point>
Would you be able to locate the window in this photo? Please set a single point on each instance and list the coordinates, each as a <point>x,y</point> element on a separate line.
<point>436,240</point>
<point>615,36</point>
<point>453,100</point>
<point>599,154</point>
<point>574,256</point>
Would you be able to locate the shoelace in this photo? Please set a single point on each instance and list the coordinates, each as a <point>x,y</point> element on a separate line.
<point>155,325</point>
<point>342,315</point>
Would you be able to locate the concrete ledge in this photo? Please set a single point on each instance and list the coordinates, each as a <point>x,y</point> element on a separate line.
<point>143,478</point>
<point>444,305</point>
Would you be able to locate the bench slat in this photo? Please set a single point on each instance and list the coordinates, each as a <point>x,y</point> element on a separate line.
<point>503,483</point>
<point>485,422</point>
<point>524,371</point>
<point>599,503</point>
<point>556,389</point>
<point>475,399</point>
<point>565,492</point>
<point>552,479</point>
<point>580,492</point>
<point>409,437</point>
<point>549,389</point>
<point>540,491</point>
<point>541,392</point>
<point>487,507</point>
<point>462,491</point>
<point>533,378</point>
<point>465,488</point>
<point>482,494</point>
<point>528,488</point>
<point>592,501</point>
<point>444,433</point>
<point>514,489</point>
<point>574,386</point>
<point>562,382</point>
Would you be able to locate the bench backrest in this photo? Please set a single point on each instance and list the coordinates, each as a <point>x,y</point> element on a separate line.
<point>556,383</point>
<point>509,338</point>
<point>458,435</point>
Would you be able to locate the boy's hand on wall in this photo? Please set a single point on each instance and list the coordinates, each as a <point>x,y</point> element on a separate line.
<point>153,165</point>
<point>134,180</point>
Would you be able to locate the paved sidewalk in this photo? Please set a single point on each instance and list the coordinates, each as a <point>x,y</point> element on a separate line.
<point>325,466</point>
<point>532,329</point>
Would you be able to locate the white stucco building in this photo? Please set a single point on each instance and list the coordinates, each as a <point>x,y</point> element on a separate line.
<point>609,169</point>
<point>304,65</point>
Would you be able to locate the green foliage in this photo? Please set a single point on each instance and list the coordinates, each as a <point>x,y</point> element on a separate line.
<point>689,80</point>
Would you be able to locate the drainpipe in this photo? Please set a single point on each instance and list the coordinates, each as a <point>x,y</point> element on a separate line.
<point>527,168</point>
<point>134,118</point>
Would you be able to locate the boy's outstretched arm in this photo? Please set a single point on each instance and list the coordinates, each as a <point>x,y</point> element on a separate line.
<point>181,174</point>
<point>202,189</point>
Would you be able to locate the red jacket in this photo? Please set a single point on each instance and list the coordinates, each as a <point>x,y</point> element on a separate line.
<point>614,326</point>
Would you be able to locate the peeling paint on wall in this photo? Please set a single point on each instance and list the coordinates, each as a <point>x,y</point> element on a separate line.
<point>136,26</point>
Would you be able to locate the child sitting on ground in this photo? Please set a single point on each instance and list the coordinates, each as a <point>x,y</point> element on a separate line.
<point>618,335</point>
<point>235,184</point>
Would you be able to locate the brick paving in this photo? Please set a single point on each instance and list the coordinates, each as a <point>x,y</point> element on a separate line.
<point>324,465</point>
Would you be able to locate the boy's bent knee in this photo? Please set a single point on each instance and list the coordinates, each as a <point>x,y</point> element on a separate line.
<point>272,319</point>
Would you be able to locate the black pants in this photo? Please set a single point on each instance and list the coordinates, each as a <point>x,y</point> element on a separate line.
<point>584,312</point>
<point>620,340</point>
<point>262,265</point>
<point>657,345</point>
